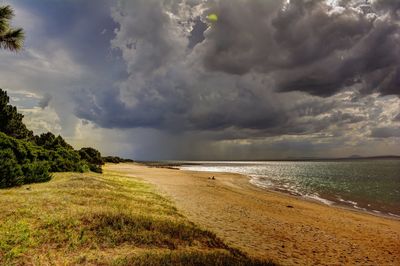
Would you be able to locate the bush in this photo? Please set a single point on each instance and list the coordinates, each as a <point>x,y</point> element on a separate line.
<point>36,172</point>
<point>93,159</point>
<point>116,159</point>
<point>10,171</point>
<point>64,160</point>
<point>20,162</point>
<point>50,142</point>
<point>95,168</point>
<point>91,155</point>
<point>26,158</point>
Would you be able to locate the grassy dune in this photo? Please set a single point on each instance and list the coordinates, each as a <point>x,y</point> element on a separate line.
<point>109,219</point>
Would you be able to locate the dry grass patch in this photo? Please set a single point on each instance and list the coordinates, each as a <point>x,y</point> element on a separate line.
<point>109,219</point>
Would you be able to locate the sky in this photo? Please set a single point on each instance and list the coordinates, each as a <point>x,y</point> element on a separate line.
<point>157,80</point>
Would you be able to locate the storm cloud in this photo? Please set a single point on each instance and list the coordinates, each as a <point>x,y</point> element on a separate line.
<point>230,74</point>
<point>386,132</point>
<point>267,79</point>
<point>310,46</point>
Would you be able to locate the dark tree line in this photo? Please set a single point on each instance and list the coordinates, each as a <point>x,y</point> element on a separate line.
<point>116,159</point>
<point>26,158</point>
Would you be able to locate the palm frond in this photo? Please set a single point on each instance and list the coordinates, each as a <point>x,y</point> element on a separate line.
<point>4,26</point>
<point>6,12</point>
<point>13,39</point>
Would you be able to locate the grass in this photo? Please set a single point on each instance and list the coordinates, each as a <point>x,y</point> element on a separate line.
<point>109,219</point>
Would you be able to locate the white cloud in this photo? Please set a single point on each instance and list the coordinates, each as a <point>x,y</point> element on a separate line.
<point>41,120</point>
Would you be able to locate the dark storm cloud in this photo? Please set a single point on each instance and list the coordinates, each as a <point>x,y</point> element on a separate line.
<point>84,28</point>
<point>197,33</point>
<point>177,110</point>
<point>308,45</point>
<point>255,49</point>
<point>106,110</point>
<point>385,132</point>
<point>391,6</point>
<point>267,77</point>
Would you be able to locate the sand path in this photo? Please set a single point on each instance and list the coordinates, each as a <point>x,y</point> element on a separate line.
<point>271,225</point>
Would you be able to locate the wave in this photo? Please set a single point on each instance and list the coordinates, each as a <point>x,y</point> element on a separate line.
<point>341,183</point>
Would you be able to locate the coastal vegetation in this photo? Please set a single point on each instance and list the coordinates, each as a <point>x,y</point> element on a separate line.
<point>116,159</point>
<point>27,158</point>
<point>103,219</point>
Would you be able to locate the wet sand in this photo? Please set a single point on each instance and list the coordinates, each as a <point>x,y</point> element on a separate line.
<point>271,225</point>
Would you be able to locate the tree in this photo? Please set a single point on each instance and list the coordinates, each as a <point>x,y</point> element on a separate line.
<point>20,162</point>
<point>50,142</point>
<point>93,158</point>
<point>10,120</point>
<point>10,171</point>
<point>10,38</point>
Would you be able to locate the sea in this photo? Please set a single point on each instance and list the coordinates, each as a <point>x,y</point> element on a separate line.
<point>371,185</point>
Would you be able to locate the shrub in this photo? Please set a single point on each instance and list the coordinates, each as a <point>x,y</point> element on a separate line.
<point>26,158</point>
<point>93,158</point>
<point>20,162</point>
<point>10,171</point>
<point>116,159</point>
<point>65,160</point>
<point>91,155</point>
<point>36,172</point>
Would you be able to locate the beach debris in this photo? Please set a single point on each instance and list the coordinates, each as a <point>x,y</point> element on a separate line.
<point>289,206</point>
<point>212,178</point>
<point>28,188</point>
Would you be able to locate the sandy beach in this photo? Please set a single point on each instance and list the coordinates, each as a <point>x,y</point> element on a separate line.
<point>272,225</point>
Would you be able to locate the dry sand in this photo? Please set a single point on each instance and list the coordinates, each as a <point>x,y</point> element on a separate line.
<point>271,225</point>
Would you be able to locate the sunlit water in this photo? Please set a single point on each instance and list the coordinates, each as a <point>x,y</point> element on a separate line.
<point>370,185</point>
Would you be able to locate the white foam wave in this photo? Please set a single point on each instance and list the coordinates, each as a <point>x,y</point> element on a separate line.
<point>353,203</point>
<point>280,176</point>
<point>394,215</point>
<point>318,198</point>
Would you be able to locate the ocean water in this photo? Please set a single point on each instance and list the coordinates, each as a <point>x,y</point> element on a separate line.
<point>369,185</point>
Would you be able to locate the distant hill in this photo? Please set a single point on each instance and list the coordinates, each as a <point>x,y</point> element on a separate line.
<point>375,157</point>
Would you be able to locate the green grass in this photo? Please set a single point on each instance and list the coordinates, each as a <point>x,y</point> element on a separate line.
<point>109,219</point>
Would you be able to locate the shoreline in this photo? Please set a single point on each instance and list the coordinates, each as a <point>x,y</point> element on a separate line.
<point>327,199</point>
<point>324,202</point>
<point>273,225</point>
<point>318,199</point>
